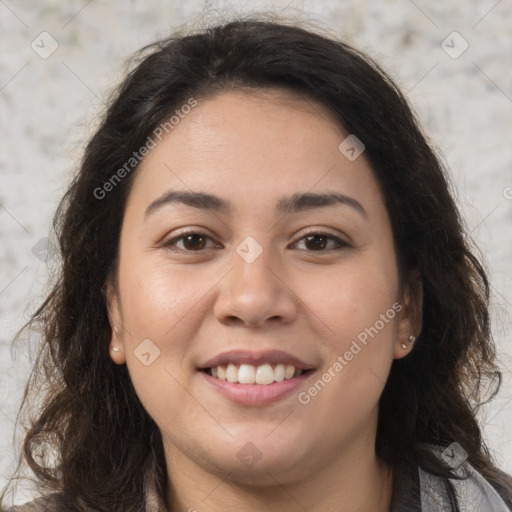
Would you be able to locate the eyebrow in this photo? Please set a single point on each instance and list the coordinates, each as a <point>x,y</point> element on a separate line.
<point>296,203</point>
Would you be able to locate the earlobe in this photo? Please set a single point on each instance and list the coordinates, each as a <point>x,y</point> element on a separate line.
<point>411,339</point>
<point>117,354</point>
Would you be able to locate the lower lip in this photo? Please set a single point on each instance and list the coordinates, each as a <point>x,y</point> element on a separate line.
<point>257,394</point>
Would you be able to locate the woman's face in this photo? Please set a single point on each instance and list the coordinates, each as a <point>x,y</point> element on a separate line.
<point>253,243</point>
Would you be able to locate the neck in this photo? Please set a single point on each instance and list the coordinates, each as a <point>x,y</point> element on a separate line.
<point>352,482</point>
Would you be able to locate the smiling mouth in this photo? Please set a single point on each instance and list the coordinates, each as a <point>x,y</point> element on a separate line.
<point>250,374</point>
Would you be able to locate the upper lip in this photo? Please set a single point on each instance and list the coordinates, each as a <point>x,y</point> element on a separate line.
<point>255,358</point>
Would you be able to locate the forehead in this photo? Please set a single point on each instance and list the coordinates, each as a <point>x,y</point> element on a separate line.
<point>253,147</point>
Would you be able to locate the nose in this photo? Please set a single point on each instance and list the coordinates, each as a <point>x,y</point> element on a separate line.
<point>253,294</point>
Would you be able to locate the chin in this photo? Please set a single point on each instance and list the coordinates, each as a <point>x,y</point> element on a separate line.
<point>261,466</point>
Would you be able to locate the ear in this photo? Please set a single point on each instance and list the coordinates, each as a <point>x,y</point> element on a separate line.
<point>113,303</point>
<point>410,318</point>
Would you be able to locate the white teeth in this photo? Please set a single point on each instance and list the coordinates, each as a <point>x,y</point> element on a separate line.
<point>289,371</point>
<point>232,373</point>
<point>279,372</point>
<point>264,374</point>
<point>250,374</point>
<point>246,374</point>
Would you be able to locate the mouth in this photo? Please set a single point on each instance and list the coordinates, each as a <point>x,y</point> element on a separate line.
<point>263,374</point>
<point>250,367</point>
<point>255,378</point>
<point>256,386</point>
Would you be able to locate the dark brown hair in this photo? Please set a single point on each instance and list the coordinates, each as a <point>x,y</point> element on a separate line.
<point>90,410</point>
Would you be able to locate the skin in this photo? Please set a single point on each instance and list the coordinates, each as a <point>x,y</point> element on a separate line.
<point>252,150</point>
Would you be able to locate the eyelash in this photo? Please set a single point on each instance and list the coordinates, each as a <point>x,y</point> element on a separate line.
<point>170,243</point>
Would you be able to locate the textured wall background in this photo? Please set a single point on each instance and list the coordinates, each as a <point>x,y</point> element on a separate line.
<point>59,58</point>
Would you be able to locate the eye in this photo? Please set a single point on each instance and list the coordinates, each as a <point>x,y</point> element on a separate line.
<point>321,242</point>
<point>195,241</point>
<point>192,241</point>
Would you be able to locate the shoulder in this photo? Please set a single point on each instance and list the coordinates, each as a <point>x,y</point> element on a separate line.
<point>470,491</point>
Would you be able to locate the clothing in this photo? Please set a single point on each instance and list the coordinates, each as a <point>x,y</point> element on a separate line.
<point>412,485</point>
<point>437,494</point>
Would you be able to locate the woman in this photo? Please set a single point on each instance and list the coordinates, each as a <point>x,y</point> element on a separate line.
<point>267,300</point>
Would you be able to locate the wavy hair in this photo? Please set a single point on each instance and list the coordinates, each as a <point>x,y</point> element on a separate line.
<point>89,409</point>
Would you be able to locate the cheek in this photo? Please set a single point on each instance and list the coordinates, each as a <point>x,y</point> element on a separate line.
<point>358,305</point>
<point>359,354</point>
<point>350,299</point>
<point>161,305</point>
<point>158,299</point>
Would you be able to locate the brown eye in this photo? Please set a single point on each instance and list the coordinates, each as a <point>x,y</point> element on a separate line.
<point>315,242</point>
<point>194,241</point>
<point>190,242</point>
<point>321,242</point>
